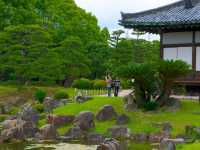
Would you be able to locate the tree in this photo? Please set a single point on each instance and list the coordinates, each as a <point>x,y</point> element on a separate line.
<point>144,81</point>
<point>20,46</point>
<point>74,63</point>
<point>137,33</point>
<point>116,37</point>
<point>168,72</point>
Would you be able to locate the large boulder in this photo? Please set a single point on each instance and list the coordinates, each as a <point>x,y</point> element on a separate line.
<point>60,120</point>
<point>28,113</point>
<point>107,112</point>
<point>85,120</point>
<point>47,132</point>
<point>18,129</point>
<point>118,132</point>
<point>109,144</point>
<point>130,103</point>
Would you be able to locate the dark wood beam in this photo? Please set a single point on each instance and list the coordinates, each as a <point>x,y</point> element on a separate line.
<point>194,51</point>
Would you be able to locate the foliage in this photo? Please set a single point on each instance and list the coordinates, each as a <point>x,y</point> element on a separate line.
<point>14,110</point>
<point>168,72</point>
<point>61,94</point>
<point>153,80</point>
<point>151,106</point>
<point>48,42</point>
<point>99,84</point>
<point>178,89</point>
<point>126,84</point>
<point>39,107</point>
<point>39,95</point>
<point>82,84</point>
<point>144,80</point>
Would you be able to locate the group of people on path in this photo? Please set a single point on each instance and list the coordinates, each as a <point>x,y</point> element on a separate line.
<point>112,85</point>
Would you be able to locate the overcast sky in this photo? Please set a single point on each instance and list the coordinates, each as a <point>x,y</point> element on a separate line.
<point>108,11</point>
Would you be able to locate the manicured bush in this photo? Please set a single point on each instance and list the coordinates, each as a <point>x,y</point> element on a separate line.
<point>82,84</point>
<point>2,118</point>
<point>99,84</point>
<point>14,110</point>
<point>151,106</point>
<point>61,94</point>
<point>39,95</point>
<point>39,107</point>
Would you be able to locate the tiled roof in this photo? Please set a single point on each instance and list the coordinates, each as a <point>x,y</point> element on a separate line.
<point>173,14</point>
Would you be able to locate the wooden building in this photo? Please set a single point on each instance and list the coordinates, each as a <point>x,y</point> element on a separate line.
<point>179,27</point>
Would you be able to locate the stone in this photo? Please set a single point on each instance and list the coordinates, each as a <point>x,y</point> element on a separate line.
<point>157,137</point>
<point>85,120</point>
<point>75,133</point>
<point>7,124</point>
<point>48,132</point>
<point>107,112</point>
<point>110,144</point>
<point>95,139</point>
<point>50,104</point>
<point>122,119</point>
<point>60,120</point>
<point>130,103</point>
<point>167,145</point>
<point>29,114</point>
<point>140,137</point>
<point>173,104</point>
<point>118,132</point>
<point>82,99</point>
<point>19,129</point>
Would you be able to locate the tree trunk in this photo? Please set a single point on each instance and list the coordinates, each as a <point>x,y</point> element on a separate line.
<point>165,94</point>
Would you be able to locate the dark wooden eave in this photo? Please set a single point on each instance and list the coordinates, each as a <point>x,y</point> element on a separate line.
<point>181,15</point>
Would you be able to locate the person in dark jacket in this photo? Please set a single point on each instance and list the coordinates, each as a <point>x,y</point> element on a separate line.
<point>116,85</point>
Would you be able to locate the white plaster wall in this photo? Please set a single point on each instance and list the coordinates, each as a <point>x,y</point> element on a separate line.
<point>177,37</point>
<point>197,37</point>
<point>198,59</point>
<point>178,53</point>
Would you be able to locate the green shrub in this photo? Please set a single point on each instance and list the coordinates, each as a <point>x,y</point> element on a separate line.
<point>3,118</point>
<point>61,94</point>
<point>126,84</point>
<point>99,84</point>
<point>151,106</point>
<point>82,84</point>
<point>39,107</point>
<point>179,89</point>
<point>39,95</point>
<point>13,110</point>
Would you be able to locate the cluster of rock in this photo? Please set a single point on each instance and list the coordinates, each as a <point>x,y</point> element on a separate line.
<point>24,126</point>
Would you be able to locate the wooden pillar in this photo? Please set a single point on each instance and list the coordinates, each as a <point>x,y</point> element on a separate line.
<point>194,51</point>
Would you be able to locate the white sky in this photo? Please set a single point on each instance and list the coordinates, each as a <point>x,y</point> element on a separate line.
<point>108,11</point>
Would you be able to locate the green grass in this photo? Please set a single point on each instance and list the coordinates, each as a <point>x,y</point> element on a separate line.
<point>139,121</point>
<point>193,146</point>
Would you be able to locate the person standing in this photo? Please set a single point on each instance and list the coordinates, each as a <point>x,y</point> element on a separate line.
<point>116,87</point>
<point>109,84</point>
